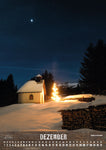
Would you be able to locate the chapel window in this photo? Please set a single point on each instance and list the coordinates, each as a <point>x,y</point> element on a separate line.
<point>31,97</point>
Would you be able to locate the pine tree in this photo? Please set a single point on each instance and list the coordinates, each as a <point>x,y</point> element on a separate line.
<point>93,69</point>
<point>48,77</point>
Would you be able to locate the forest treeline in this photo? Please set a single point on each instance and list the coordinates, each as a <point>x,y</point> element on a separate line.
<point>8,91</point>
<point>92,72</point>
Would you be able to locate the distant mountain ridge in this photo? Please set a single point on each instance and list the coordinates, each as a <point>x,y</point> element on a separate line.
<point>68,84</point>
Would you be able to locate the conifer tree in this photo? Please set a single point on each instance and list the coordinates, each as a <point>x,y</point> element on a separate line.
<point>93,69</point>
<point>48,77</point>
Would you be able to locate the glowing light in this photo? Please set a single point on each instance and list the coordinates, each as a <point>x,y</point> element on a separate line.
<point>31,20</point>
<point>55,95</point>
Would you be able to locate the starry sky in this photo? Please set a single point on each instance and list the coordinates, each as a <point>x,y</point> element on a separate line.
<point>36,35</point>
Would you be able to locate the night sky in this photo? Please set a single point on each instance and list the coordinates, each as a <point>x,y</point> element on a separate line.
<point>36,35</point>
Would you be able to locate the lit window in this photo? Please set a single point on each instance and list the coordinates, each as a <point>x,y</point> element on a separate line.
<point>31,97</point>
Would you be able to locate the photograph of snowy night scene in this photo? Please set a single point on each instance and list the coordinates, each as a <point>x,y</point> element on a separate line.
<point>52,75</point>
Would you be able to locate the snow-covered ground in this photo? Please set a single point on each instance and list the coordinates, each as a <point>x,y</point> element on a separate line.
<point>30,117</point>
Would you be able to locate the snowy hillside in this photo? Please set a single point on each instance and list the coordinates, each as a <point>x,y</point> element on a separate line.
<point>19,117</point>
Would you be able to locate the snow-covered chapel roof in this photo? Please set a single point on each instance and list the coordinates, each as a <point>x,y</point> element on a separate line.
<point>31,86</point>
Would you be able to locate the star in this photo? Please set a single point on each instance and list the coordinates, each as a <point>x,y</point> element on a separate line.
<point>31,20</point>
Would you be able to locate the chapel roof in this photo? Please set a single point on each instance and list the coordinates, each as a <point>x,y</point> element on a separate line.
<point>31,86</point>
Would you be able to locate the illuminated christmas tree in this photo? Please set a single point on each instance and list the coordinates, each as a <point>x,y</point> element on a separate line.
<point>55,95</point>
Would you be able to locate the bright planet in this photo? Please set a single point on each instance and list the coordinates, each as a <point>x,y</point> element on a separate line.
<point>31,20</point>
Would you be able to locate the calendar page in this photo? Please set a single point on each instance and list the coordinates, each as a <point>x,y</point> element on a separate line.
<point>52,75</point>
